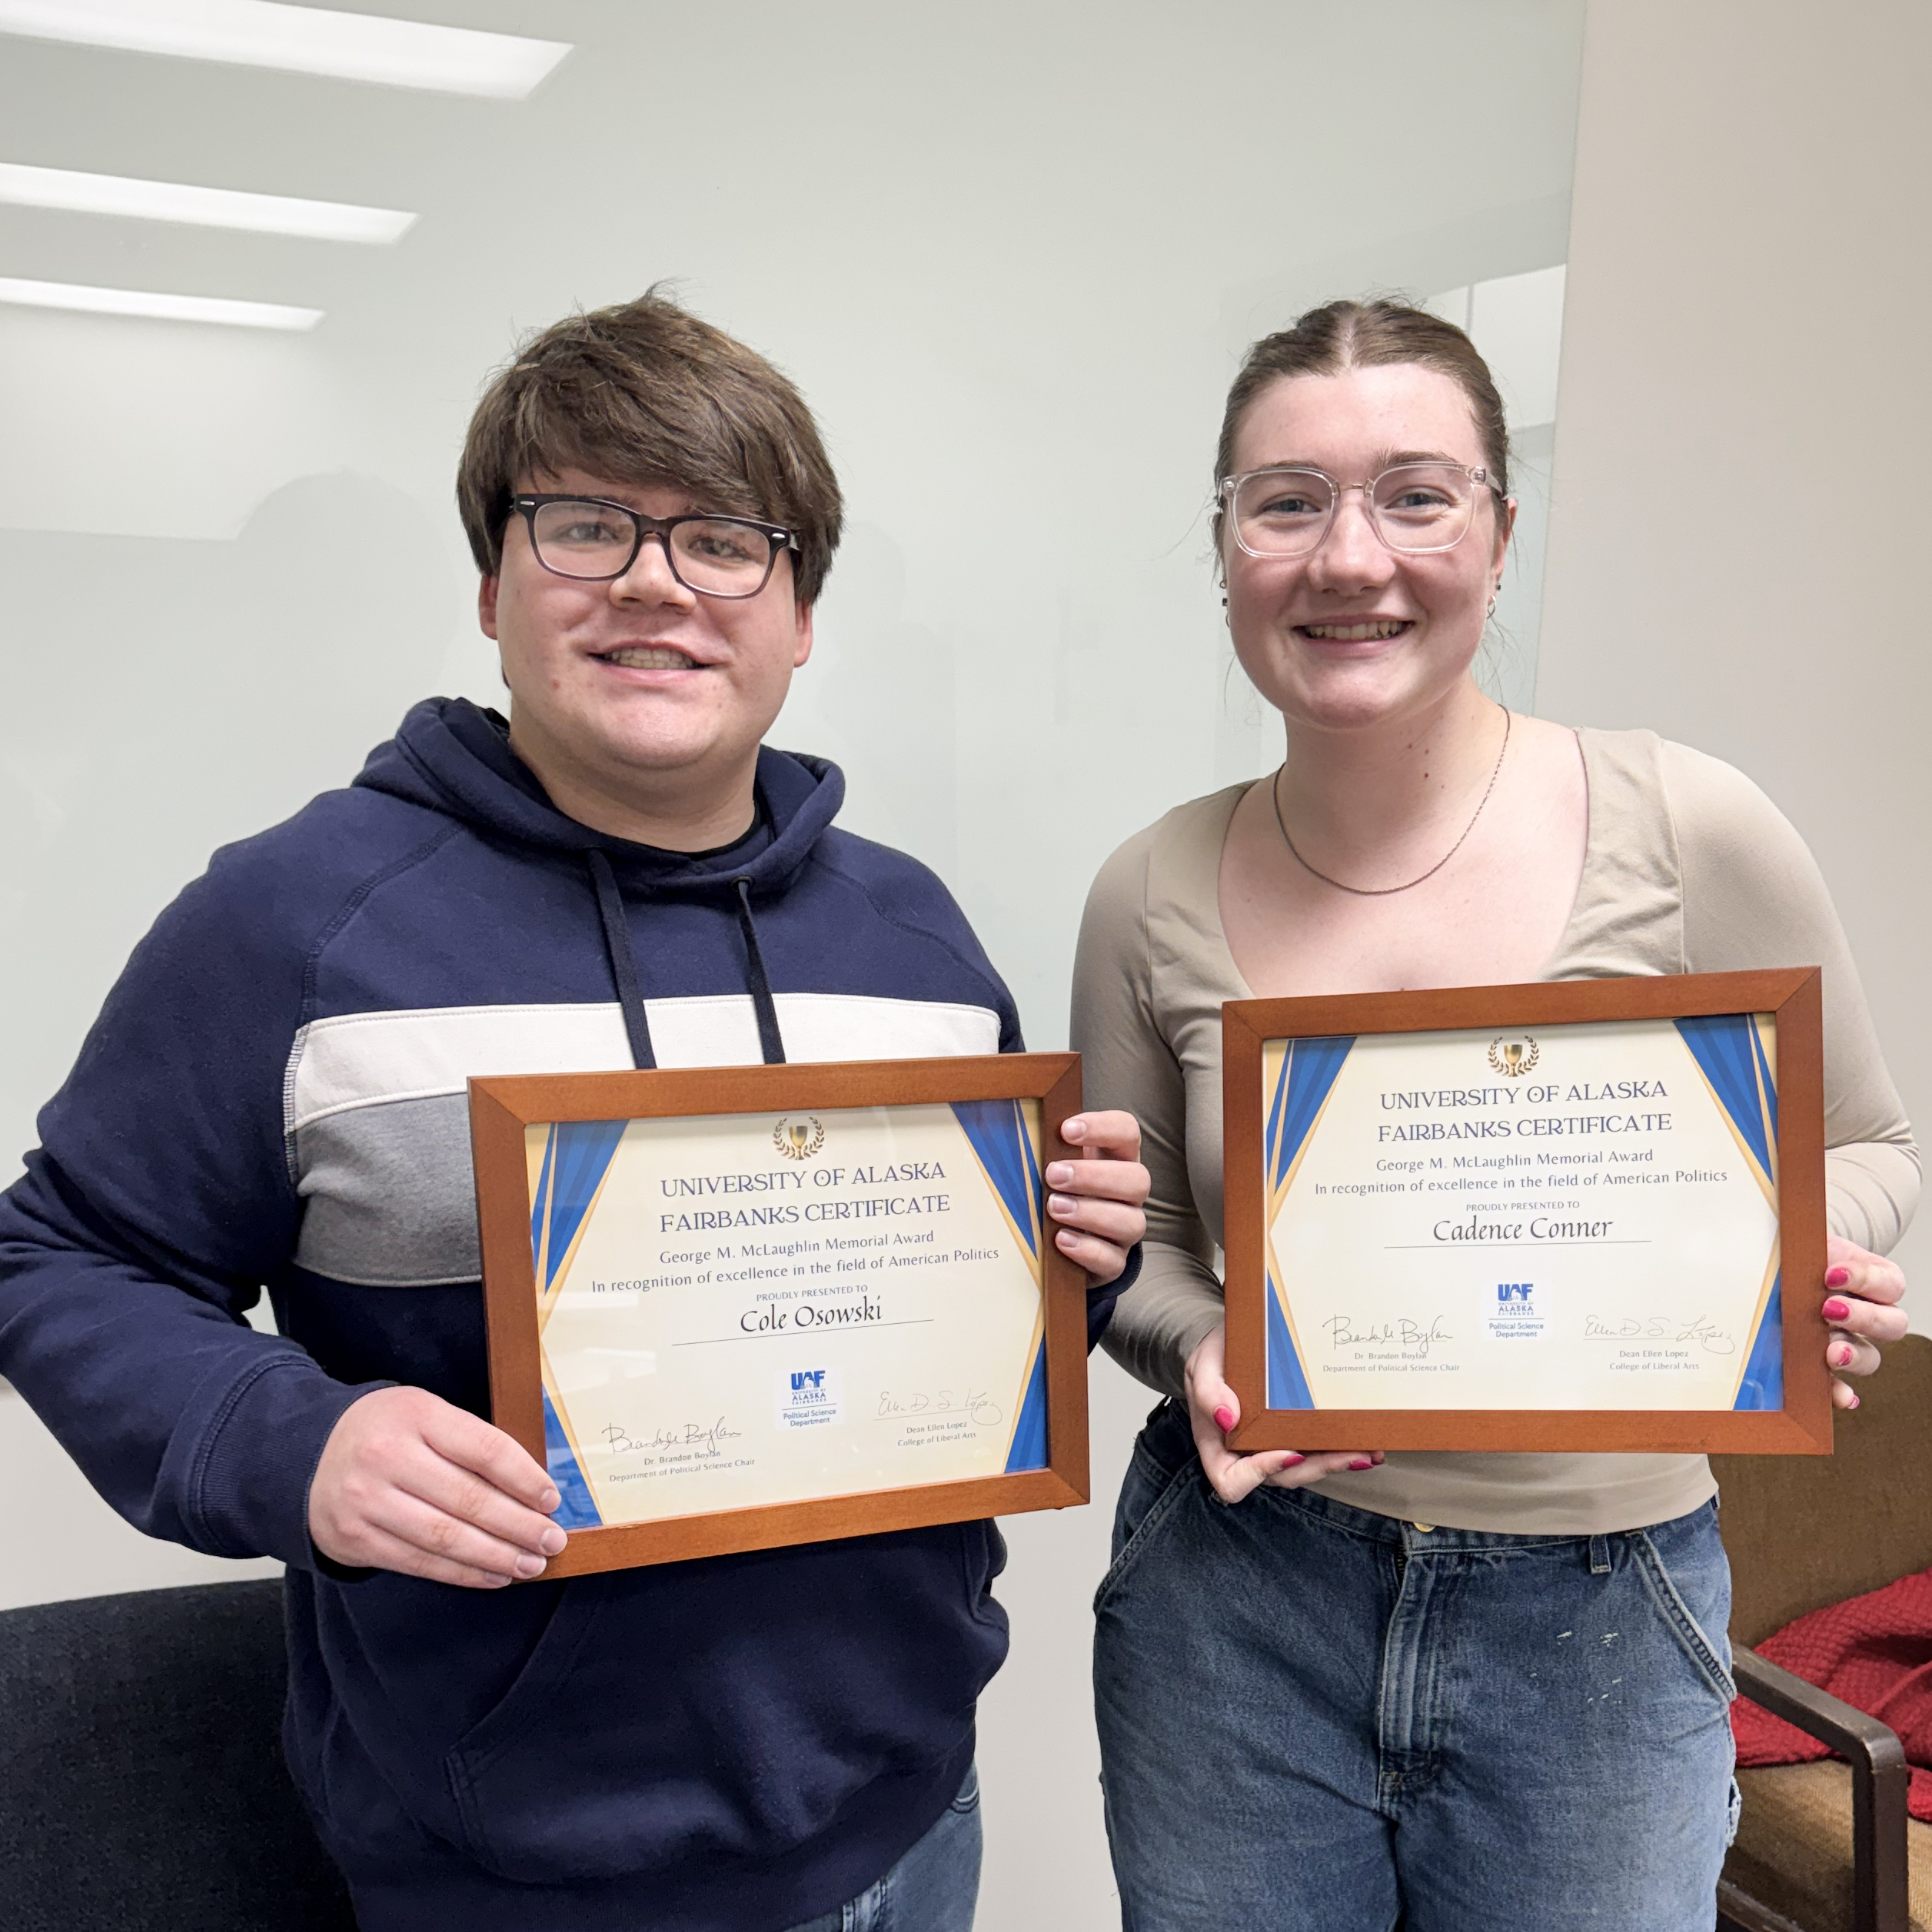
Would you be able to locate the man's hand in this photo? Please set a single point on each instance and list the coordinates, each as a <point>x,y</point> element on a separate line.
<point>409,1482</point>
<point>1097,1198</point>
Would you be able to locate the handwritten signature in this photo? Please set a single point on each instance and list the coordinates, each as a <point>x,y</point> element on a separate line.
<point>619,1441</point>
<point>1344,1334</point>
<point>979,1409</point>
<point>1659,1328</point>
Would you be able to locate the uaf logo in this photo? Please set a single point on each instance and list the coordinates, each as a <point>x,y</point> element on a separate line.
<point>1515,1318</point>
<point>808,1397</point>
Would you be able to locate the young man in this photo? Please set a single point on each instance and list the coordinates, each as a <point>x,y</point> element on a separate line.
<point>274,1095</point>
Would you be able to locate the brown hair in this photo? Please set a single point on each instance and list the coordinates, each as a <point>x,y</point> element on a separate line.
<point>645,393</point>
<point>1366,335</point>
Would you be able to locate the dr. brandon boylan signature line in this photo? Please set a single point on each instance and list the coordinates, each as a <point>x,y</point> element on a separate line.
<point>619,1441</point>
<point>1343,1333</point>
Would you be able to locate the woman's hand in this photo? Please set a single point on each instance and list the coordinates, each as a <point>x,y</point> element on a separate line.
<point>1097,1198</point>
<point>1862,1307</point>
<point>1214,1409</point>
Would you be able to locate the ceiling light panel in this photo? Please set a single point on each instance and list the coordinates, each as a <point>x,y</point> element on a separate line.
<point>209,207</point>
<point>305,40</point>
<point>167,308</point>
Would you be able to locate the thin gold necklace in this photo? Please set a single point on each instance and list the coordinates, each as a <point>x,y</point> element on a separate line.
<point>1383,892</point>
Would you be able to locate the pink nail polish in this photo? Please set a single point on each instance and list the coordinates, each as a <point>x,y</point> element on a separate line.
<point>1836,1310</point>
<point>1854,1401</point>
<point>1362,1462</point>
<point>1837,1277</point>
<point>1224,1419</point>
<point>1289,1461</point>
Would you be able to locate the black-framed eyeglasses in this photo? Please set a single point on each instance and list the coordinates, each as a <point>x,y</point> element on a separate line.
<point>595,540</point>
<point>1288,510</point>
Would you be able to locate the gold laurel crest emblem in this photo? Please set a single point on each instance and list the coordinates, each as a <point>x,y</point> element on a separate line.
<point>798,1140</point>
<point>1513,1058</point>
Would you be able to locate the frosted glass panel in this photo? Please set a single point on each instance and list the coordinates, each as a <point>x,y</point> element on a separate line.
<point>1011,255</point>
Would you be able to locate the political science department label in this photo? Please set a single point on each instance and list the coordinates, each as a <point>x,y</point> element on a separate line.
<point>1570,1218</point>
<point>755,1309</point>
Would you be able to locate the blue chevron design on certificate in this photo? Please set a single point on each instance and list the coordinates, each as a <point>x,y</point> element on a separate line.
<point>1298,1075</point>
<point>1729,1049</point>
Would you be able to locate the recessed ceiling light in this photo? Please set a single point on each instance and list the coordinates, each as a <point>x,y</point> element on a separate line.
<point>209,207</point>
<point>167,308</point>
<point>308,40</point>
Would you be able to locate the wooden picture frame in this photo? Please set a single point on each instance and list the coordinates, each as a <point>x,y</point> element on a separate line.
<point>501,1110</point>
<point>1802,1426</point>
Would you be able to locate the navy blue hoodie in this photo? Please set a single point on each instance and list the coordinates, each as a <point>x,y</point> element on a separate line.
<point>274,1095</point>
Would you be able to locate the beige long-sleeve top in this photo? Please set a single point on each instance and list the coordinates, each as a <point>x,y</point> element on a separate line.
<point>1688,868</point>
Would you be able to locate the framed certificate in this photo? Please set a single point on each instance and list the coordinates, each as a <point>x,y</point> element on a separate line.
<point>1578,1215</point>
<point>739,1307</point>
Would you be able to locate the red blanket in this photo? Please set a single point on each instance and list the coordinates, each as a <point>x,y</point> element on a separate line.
<point>1873,1651</point>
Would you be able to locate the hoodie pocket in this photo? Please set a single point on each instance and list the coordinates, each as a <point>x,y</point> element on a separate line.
<point>687,1717</point>
<point>984,1551</point>
<point>532,1700</point>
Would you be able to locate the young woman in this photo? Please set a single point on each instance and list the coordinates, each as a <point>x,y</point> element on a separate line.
<point>1469,1693</point>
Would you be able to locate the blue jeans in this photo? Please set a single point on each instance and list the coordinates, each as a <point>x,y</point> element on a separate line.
<point>933,1888</point>
<point>1316,1719</point>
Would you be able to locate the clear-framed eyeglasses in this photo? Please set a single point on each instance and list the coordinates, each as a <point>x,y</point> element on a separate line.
<point>594,539</point>
<point>1412,507</point>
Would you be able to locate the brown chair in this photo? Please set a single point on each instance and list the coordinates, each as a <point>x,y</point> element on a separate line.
<point>1828,1848</point>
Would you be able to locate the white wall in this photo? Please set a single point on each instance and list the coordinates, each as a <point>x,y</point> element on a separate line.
<point>1738,542</point>
<point>1011,253</point>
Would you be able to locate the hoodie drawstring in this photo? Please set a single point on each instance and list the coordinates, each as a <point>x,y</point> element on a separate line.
<point>624,967</point>
<point>624,961</point>
<point>769,1043</point>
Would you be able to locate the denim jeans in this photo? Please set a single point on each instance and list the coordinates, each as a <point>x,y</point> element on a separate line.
<point>1316,1719</point>
<point>933,1888</point>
